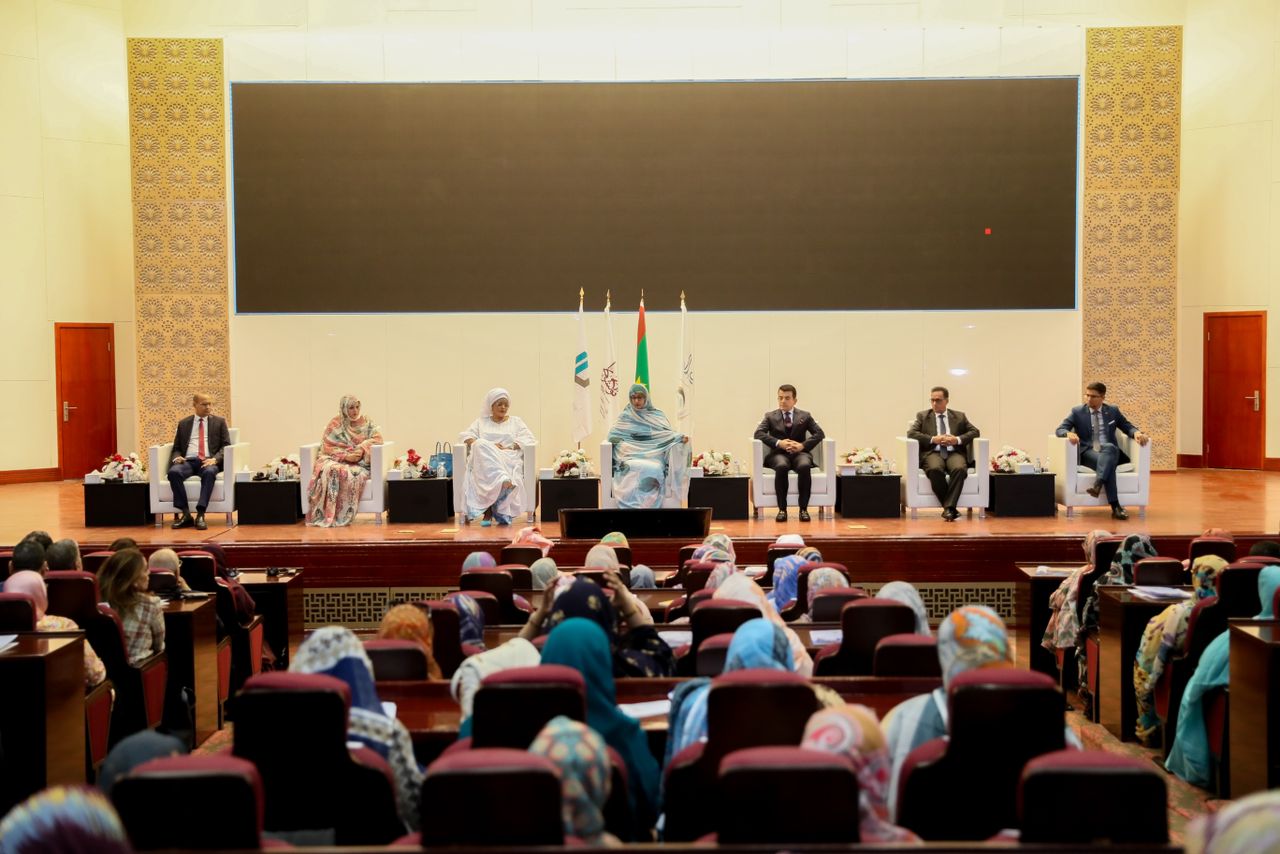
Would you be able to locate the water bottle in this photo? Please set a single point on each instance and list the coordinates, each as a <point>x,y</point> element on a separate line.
<point>440,472</point>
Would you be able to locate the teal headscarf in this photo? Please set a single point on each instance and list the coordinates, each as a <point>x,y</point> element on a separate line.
<point>581,644</point>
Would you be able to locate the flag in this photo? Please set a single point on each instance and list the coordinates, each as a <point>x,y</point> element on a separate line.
<point>609,373</point>
<point>642,349</point>
<point>684,378</point>
<point>581,402</point>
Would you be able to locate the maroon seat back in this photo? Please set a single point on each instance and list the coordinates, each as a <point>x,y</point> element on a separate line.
<point>696,575</point>
<point>17,613</point>
<point>1237,588</point>
<point>446,642</point>
<point>623,553</point>
<point>969,789</point>
<point>1127,798</point>
<point>521,575</point>
<point>1223,547</point>
<point>165,803</point>
<point>491,797</point>
<point>92,561</point>
<point>811,797</point>
<point>199,569</point>
<point>522,555</point>
<point>686,553</point>
<point>829,604</point>
<point>513,705</point>
<point>711,654</point>
<point>770,557</point>
<point>713,616</point>
<point>863,622</point>
<point>293,727</point>
<point>906,655</point>
<point>162,582</point>
<point>396,660</point>
<point>139,700</point>
<point>1159,571</point>
<point>1104,550</point>
<point>802,586</point>
<point>499,584</point>
<point>73,594</point>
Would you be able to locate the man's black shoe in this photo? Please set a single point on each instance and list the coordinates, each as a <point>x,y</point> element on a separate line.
<point>804,515</point>
<point>185,522</point>
<point>200,523</point>
<point>1118,512</point>
<point>781,517</point>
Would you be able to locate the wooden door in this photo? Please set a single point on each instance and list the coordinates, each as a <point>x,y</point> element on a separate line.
<point>86,403</point>
<point>1235,389</point>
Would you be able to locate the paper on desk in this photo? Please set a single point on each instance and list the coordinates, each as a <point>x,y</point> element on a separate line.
<point>755,571</point>
<point>822,637</point>
<point>7,641</point>
<point>1049,570</point>
<point>676,639</point>
<point>650,709</point>
<point>1157,594</point>
<point>389,709</point>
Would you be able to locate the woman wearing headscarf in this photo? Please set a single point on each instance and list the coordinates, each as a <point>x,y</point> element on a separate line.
<point>642,578</point>
<point>824,578</point>
<point>134,750</point>
<point>637,651</point>
<point>478,560</point>
<point>810,554</point>
<point>31,584</point>
<point>342,465</point>
<point>532,536</point>
<point>411,623</point>
<point>854,733</point>
<point>786,541</point>
<point>1063,627</point>
<point>1190,757</point>
<point>603,556</point>
<point>650,460</point>
<point>470,619</point>
<point>1134,548</point>
<point>583,645</point>
<point>335,651</point>
<point>786,580</point>
<point>1246,826</point>
<point>544,571</point>
<point>1165,637</point>
<point>493,487</point>
<point>901,591</point>
<point>722,541</point>
<point>615,538</point>
<point>63,820</point>
<point>582,758</point>
<point>739,586</point>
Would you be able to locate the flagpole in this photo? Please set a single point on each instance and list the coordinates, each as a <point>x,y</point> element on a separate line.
<point>581,293</point>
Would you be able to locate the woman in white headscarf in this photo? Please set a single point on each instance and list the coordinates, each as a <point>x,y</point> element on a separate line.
<point>493,486</point>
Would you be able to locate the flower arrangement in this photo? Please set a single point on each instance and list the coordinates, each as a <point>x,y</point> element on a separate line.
<point>1011,459</point>
<point>128,468</point>
<point>281,468</point>
<point>865,460</point>
<point>571,463</point>
<point>714,463</point>
<point>411,465</point>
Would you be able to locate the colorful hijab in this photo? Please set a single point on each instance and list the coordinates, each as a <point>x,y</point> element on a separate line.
<point>901,591</point>
<point>342,434</point>
<point>470,619</point>
<point>649,655</point>
<point>544,572</point>
<point>532,536</point>
<point>583,645</point>
<point>582,759</point>
<point>1063,627</point>
<point>646,433</point>
<point>134,750</point>
<point>615,538</point>
<point>478,560</point>
<point>63,820</point>
<point>1134,548</point>
<point>739,586</point>
<point>712,554</point>
<point>786,580</point>
<point>31,584</point>
<point>854,733</point>
<point>1245,826</point>
<point>824,578</point>
<point>719,575</point>
<point>810,554</point>
<point>721,541</point>
<point>411,623</point>
<point>602,557</point>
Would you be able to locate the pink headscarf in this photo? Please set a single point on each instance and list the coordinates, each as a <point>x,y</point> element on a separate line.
<point>30,583</point>
<point>532,536</point>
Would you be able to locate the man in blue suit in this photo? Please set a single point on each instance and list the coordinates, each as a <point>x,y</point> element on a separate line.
<point>1093,426</point>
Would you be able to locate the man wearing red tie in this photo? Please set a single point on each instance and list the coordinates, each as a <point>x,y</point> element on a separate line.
<point>197,449</point>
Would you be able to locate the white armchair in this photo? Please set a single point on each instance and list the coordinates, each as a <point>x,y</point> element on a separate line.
<point>917,492</point>
<point>1071,479</point>
<point>826,481</point>
<point>608,500</point>
<point>223,499</point>
<point>528,500</point>
<point>374,497</point>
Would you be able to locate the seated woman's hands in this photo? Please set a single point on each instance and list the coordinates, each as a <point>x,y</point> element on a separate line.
<point>625,601</point>
<point>353,456</point>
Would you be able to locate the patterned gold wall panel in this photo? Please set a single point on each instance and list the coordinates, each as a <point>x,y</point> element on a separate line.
<point>1132,115</point>
<point>177,139</point>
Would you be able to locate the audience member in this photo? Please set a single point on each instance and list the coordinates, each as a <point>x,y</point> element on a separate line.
<point>823,578</point>
<point>582,758</point>
<point>123,582</point>
<point>41,537</point>
<point>1134,548</point>
<point>721,541</point>
<point>901,591</point>
<point>63,820</point>
<point>410,623</point>
<point>478,560</point>
<point>786,580</point>
<point>642,578</point>
<point>532,536</point>
<point>31,584</point>
<point>167,560</point>
<point>28,555</point>
<point>63,556</point>
<point>134,750</point>
<point>1246,826</point>
<point>470,620</point>
<point>738,586</point>
<point>335,651</point>
<point>1265,548</point>
<point>1063,627</point>
<point>544,571</point>
<point>122,543</point>
<point>466,680</point>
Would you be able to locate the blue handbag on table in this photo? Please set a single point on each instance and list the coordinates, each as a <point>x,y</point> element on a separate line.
<point>442,457</point>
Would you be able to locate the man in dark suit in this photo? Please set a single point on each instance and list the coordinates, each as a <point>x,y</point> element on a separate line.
<point>197,449</point>
<point>790,434</point>
<point>945,437</point>
<point>1093,426</point>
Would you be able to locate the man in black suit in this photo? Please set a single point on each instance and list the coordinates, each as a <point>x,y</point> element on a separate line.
<point>945,437</point>
<point>1093,426</point>
<point>197,449</point>
<point>790,434</point>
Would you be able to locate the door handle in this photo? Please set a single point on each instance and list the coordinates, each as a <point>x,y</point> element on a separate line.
<point>66,410</point>
<point>1254,397</point>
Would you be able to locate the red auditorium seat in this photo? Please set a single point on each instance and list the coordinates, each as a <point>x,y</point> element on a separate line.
<point>521,575</point>
<point>1160,572</point>
<point>1264,560</point>
<point>863,622</point>
<point>906,655</point>
<point>522,555</point>
<point>686,553</point>
<point>713,617</point>
<point>967,787</point>
<point>93,561</point>
<point>828,604</point>
<point>446,644</point>
<point>396,659</point>
<point>17,613</point>
<point>597,575</point>
<point>801,603</point>
<point>140,690</point>
<point>97,716</point>
<point>1217,708</point>
<point>498,584</point>
<point>513,705</point>
<point>804,797</point>
<point>293,727</point>
<point>246,640</point>
<point>1119,799</point>
<point>624,555</point>
<point>491,797</point>
<point>685,605</point>
<point>1223,547</point>
<point>73,594</point>
<point>780,705</point>
<point>162,582</point>
<point>199,569</point>
<point>197,802</point>
<point>1104,551</point>
<point>711,654</point>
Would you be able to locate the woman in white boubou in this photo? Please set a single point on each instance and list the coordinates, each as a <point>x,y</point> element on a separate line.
<point>493,486</point>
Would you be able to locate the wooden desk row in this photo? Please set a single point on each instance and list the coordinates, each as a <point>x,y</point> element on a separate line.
<point>495,636</point>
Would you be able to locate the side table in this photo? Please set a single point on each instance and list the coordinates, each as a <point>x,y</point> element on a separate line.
<point>726,495</point>
<point>1023,494</point>
<point>563,493</point>
<point>420,499</point>
<point>115,504</point>
<point>268,502</point>
<point>870,496</point>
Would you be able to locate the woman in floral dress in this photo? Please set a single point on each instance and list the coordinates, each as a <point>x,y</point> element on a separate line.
<point>342,466</point>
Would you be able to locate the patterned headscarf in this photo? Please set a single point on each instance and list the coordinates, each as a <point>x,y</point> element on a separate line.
<point>719,575</point>
<point>824,578</point>
<point>585,774</point>
<point>478,560</point>
<point>614,538</point>
<point>63,820</point>
<point>810,554</point>
<point>470,619</point>
<point>854,732</point>
<point>901,591</point>
<point>1091,544</point>
<point>721,541</point>
<point>1241,827</point>
<point>602,557</point>
<point>30,583</point>
<point>544,571</point>
<point>584,598</point>
<point>411,623</point>
<point>532,536</point>
<point>642,578</point>
<point>1204,575</point>
<point>1134,548</point>
<point>786,580</point>
<point>971,638</point>
<point>347,400</point>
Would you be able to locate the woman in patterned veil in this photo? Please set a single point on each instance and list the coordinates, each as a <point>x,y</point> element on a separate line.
<point>342,466</point>
<point>650,460</point>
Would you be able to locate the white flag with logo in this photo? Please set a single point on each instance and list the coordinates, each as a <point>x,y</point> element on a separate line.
<point>581,380</point>
<point>609,376</point>
<point>684,382</point>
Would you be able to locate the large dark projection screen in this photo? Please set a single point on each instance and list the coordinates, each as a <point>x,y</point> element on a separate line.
<point>894,194</point>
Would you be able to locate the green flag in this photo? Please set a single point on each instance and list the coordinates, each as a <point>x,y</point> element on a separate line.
<point>642,351</point>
